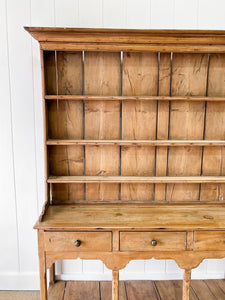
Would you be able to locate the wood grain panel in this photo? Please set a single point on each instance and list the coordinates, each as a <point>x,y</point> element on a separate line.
<point>189,77</point>
<point>102,73</point>
<point>140,77</point>
<point>138,161</point>
<point>163,122</point>
<point>65,119</point>
<point>102,120</point>
<point>64,193</point>
<point>50,72</point>
<point>102,76</point>
<point>69,70</point>
<point>213,159</point>
<point>102,160</point>
<point>67,160</point>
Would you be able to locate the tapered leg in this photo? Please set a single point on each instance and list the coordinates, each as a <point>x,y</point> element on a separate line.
<point>115,285</point>
<point>186,284</point>
<point>42,266</point>
<point>52,274</point>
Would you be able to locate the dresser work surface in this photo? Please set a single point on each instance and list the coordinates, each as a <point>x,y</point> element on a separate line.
<point>134,137</point>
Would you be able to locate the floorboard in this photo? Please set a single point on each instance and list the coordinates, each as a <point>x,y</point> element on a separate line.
<point>106,290</point>
<point>205,290</point>
<point>129,290</point>
<point>141,290</point>
<point>80,290</point>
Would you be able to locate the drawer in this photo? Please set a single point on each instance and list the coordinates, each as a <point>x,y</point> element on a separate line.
<point>78,241</point>
<point>211,240</point>
<point>152,241</point>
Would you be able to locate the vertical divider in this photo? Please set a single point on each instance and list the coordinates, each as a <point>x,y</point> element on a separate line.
<point>162,129</point>
<point>121,123</point>
<point>45,131</point>
<point>156,129</point>
<point>169,118</point>
<point>84,148</point>
<point>204,126</point>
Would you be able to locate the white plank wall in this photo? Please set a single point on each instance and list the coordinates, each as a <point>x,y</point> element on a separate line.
<point>21,151</point>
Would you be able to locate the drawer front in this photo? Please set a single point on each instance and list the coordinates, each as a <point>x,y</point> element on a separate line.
<point>78,241</point>
<point>211,240</point>
<point>152,241</point>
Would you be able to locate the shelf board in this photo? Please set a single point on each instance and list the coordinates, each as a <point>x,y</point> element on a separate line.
<point>133,98</point>
<point>137,142</point>
<point>136,179</point>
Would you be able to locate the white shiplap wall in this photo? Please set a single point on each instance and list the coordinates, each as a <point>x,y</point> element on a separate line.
<point>21,149</point>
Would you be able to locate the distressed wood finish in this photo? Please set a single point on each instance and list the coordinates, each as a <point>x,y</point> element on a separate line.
<point>164,83</point>
<point>189,77</point>
<point>139,79</point>
<point>134,131</point>
<point>102,120</point>
<point>213,158</point>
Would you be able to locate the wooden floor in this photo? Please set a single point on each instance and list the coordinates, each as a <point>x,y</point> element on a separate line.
<point>129,290</point>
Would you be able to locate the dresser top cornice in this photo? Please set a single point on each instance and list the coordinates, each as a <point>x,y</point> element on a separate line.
<point>131,39</point>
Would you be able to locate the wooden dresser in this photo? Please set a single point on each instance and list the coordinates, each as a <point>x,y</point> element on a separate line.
<point>134,132</point>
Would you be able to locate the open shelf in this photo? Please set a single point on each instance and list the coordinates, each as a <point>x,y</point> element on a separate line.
<point>136,142</point>
<point>133,98</point>
<point>136,179</point>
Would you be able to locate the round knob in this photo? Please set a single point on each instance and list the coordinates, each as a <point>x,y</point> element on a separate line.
<point>153,243</point>
<point>77,243</point>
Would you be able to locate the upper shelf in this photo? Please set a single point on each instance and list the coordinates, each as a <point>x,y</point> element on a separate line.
<point>132,98</point>
<point>136,179</point>
<point>129,39</point>
<point>137,142</point>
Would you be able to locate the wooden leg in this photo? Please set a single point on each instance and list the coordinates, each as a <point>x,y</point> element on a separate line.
<point>115,285</point>
<point>52,274</point>
<point>42,266</point>
<point>186,284</point>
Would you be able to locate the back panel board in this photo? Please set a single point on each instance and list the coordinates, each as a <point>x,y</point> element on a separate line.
<point>135,74</point>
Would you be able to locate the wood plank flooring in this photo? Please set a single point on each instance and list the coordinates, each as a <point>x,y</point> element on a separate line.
<point>129,290</point>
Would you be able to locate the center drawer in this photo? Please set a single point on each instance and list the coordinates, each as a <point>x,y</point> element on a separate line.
<point>78,241</point>
<point>152,241</point>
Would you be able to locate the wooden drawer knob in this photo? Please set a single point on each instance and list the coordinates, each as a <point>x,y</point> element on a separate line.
<point>153,243</point>
<point>77,243</point>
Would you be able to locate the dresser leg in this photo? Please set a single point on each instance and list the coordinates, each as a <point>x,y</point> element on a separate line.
<point>52,274</point>
<point>186,284</point>
<point>115,285</point>
<point>42,266</point>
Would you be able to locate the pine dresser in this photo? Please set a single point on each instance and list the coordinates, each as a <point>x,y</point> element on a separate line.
<point>134,135</point>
